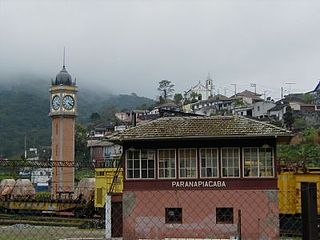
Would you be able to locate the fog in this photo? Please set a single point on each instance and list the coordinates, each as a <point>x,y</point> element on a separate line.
<point>129,46</point>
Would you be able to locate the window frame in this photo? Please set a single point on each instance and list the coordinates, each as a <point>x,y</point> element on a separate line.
<point>140,165</point>
<point>167,218</point>
<point>217,161</point>
<point>258,157</point>
<point>239,165</point>
<point>179,168</point>
<point>224,222</point>
<point>175,163</point>
<point>243,162</point>
<point>272,162</point>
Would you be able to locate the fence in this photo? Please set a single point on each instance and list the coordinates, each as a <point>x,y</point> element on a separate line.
<point>148,214</point>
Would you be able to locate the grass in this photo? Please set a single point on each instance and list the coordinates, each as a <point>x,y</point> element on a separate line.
<point>28,232</point>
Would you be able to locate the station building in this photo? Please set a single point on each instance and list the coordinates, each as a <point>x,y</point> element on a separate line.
<point>201,178</point>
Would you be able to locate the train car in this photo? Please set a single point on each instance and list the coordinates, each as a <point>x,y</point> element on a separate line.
<point>289,183</point>
<point>108,181</point>
<point>19,195</point>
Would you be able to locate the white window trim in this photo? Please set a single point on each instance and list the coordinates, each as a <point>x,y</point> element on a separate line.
<point>140,168</point>
<point>175,163</point>
<point>196,149</point>
<point>239,149</point>
<point>272,161</point>
<point>243,163</point>
<point>218,163</point>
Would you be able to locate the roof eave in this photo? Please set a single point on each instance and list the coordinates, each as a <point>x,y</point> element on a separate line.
<point>280,136</point>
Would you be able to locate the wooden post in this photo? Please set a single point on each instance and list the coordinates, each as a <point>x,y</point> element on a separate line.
<point>108,216</point>
<point>309,211</point>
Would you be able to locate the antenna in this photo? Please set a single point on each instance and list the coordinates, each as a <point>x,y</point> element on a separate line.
<point>235,89</point>
<point>254,86</point>
<point>290,84</point>
<point>64,56</point>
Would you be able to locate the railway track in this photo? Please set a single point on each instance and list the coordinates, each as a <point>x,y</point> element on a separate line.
<point>40,220</point>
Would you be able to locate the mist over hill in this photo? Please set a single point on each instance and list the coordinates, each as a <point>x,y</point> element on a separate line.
<point>24,109</point>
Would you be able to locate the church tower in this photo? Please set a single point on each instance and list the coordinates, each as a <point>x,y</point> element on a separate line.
<point>63,110</point>
<point>209,87</point>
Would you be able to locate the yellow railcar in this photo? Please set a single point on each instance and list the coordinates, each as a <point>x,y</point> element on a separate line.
<point>289,184</point>
<point>108,181</point>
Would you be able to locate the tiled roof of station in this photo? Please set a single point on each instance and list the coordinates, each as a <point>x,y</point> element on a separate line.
<point>200,127</point>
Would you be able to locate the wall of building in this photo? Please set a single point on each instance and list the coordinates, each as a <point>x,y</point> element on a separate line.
<point>260,109</point>
<point>144,214</point>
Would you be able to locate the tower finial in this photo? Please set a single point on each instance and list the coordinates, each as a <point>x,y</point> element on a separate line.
<point>64,57</point>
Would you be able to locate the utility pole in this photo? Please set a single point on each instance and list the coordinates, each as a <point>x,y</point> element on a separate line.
<point>264,95</point>
<point>281,96</point>
<point>25,147</point>
<point>235,88</point>
<point>255,87</point>
<point>225,91</point>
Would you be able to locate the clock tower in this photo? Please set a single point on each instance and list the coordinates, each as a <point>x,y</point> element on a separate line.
<point>63,111</point>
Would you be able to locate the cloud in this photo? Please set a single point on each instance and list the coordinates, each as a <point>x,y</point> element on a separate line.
<point>129,46</point>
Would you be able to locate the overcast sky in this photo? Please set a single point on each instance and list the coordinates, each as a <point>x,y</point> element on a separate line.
<point>129,46</point>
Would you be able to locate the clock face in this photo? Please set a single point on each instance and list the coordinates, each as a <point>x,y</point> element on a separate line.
<point>68,102</point>
<point>56,102</point>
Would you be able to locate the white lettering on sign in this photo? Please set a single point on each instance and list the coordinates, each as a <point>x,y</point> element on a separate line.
<point>198,184</point>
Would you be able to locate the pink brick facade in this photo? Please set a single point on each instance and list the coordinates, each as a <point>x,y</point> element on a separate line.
<point>144,214</point>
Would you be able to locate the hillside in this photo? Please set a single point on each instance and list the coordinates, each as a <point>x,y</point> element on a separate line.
<point>24,108</point>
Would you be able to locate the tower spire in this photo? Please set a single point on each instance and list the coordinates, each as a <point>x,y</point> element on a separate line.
<point>64,57</point>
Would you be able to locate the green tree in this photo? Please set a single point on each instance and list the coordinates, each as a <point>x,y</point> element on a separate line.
<point>288,118</point>
<point>166,90</point>
<point>82,155</point>
<point>308,98</point>
<point>194,97</point>
<point>311,135</point>
<point>178,98</point>
<point>299,123</point>
<point>95,117</point>
<point>239,102</point>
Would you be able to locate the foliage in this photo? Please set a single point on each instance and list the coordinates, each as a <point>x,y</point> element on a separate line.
<point>299,123</point>
<point>308,98</point>
<point>178,98</point>
<point>288,118</point>
<point>84,173</point>
<point>82,154</point>
<point>311,135</point>
<point>239,102</point>
<point>24,112</point>
<point>194,97</point>
<point>166,90</point>
<point>307,153</point>
<point>95,117</point>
